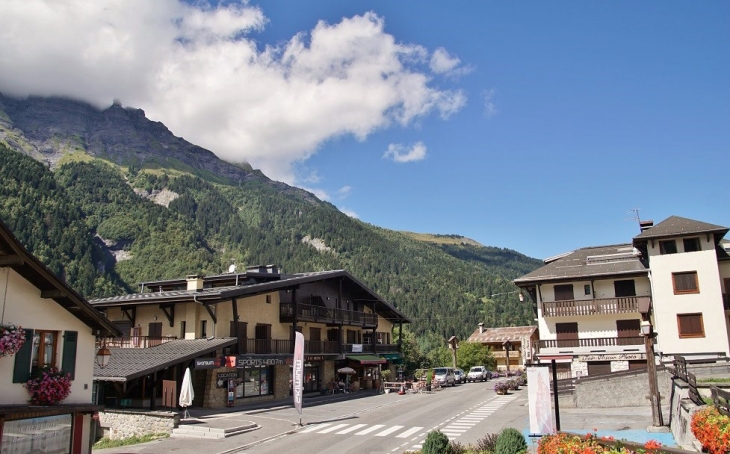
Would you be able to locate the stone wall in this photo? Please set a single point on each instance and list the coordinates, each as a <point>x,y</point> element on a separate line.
<point>682,409</point>
<point>281,382</point>
<point>120,424</point>
<point>624,390</point>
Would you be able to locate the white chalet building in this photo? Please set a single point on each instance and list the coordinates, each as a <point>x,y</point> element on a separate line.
<point>590,302</point>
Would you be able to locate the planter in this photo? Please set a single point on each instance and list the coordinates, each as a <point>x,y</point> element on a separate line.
<point>11,339</point>
<point>49,386</point>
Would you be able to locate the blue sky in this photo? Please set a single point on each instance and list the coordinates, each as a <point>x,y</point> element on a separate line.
<point>533,126</point>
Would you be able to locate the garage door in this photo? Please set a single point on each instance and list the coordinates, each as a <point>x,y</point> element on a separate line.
<point>599,368</point>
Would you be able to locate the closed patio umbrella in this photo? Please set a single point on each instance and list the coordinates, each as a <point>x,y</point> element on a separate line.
<point>346,370</point>
<point>186,393</point>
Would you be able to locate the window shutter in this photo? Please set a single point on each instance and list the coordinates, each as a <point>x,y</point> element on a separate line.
<point>68,363</point>
<point>21,372</point>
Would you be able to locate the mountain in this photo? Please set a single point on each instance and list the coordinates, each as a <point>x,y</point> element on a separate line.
<point>108,198</point>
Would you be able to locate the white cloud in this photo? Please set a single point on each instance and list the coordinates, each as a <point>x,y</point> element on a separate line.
<point>490,109</point>
<point>443,63</point>
<point>344,191</point>
<point>350,213</point>
<point>400,153</point>
<point>199,70</point>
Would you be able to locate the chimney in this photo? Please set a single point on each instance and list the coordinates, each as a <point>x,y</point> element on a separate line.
<point>481,328</point>
<point>195,282</point>
<point>646,225</point>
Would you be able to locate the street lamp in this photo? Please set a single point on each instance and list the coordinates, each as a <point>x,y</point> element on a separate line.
<point>656,409</point>
<point>507,348</point>
<point>103,355</point>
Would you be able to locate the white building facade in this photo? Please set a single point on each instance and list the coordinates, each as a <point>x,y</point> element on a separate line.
<point>590,303</point>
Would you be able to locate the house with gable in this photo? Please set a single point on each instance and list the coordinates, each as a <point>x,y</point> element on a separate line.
<point>60,329</point>
<point>235,331</point>
<point>591,302</point>
<point>511,346</point>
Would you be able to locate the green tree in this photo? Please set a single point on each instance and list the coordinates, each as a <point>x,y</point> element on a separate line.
<point>471,354</point>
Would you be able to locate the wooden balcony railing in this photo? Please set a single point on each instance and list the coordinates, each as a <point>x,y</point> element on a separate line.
<point>133,341</point>
<point>592,342</point>
<point>310,313</point>
<point>568,308</point>
<point>513,354</point>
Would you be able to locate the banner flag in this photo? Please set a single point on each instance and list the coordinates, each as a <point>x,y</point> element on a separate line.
<point>538,396</point>
<point>298,371</point>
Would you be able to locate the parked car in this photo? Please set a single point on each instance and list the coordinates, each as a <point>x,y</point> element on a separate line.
<point>459,376</point>
<point>477,373</point>
<point>444,376</point>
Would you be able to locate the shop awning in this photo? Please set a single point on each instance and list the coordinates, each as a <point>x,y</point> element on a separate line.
<point>366,359</point>
<point>394,358</point>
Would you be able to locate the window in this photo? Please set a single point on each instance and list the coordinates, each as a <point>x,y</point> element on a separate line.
<point>685,282</point>
<point>587,289</point>
<point>629,332</point>
<point>624,288</point>
<point>268,299</point>
<point>691,244</point>
<point>204,328</point>
<point>690,325</point>
<point>183,329</point>
<point>667,247</point>
<point>567,334</point>
<point>44,348</point>
<point>564,292</point>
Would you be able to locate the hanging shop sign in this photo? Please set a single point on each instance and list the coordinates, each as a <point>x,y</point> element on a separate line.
<point>209,363</point>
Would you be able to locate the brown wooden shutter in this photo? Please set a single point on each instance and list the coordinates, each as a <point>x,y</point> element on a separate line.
<point>628,329</point>
<point>567,334</point>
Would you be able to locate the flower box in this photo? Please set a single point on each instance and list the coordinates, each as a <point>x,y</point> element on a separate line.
<point>48,386</point>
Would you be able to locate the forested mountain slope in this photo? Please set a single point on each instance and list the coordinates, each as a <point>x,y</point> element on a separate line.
<point>104,225</point>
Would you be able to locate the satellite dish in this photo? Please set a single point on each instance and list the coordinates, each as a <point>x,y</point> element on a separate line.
<point>232,268</point>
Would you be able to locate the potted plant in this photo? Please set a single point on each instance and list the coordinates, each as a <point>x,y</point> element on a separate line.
<point>11,339</point>
<point>48,386</point>
<point>501,387</point>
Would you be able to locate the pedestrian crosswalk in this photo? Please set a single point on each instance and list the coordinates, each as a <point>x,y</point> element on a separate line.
<point>452,429</point>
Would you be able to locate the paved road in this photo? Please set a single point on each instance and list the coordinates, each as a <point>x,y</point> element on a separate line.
<point>390,423</point>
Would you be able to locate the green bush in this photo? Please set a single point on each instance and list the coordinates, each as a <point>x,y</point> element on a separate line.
<point>510,441</point>
<point>436,443</point>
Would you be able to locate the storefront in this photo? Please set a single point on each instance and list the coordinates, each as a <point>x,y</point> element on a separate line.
<point>255,375</point>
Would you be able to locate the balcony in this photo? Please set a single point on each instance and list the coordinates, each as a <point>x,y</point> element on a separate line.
<point>568,308</point>
<point>591,342</point>
<point>328,315</point>
<point>133,341</point>
<point>513,354</point>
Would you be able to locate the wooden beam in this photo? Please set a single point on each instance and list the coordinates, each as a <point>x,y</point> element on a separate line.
<point>11,260</point>
<point>53,293</point>
<point>131,316</point>
<point>210,311</point>
<point>170,315</point>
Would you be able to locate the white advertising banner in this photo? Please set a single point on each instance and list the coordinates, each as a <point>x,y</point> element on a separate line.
<point>538,397</point>
<point>298,371</point>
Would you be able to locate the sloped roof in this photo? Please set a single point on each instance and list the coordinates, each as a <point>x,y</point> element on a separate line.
<point>126,364</point>
<point>14,255</point>
<point>219,294</point>
<point>598,261</point>
<point>503,334</point>
<point>679,226</point>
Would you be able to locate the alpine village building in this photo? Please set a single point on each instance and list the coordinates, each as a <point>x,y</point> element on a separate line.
<point>60,329</point>
<point>511,346</point>
<point>235,332</point>
<point>591,302</point>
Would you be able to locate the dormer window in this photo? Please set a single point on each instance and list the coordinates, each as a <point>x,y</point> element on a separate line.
<point>692,244</point>
<point>667,247</point>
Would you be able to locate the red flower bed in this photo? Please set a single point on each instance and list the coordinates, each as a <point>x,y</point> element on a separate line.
<point>590,444</point>
<point>712,429</point>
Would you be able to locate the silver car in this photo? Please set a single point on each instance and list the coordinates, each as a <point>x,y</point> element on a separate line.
<point>444,376</point>
<point>459,376</point>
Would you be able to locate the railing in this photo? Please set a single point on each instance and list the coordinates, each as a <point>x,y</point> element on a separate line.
<point>133,341</point>
<point>592,342</point>
<point>503,354</point>
<point>310,313</point>
<point>567,308</point>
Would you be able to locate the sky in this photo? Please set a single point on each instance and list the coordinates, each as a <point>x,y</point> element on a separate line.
<point>541,127</point>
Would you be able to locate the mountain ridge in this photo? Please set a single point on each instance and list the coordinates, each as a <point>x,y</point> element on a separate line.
<point>94,217</point>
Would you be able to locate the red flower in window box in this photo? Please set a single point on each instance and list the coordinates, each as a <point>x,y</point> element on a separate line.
<point>49,386</point>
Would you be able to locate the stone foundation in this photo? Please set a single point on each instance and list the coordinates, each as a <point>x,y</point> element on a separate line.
<point>120,424</point>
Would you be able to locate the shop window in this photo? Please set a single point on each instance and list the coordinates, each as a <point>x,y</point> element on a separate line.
<point>667,247</point>
<point>685,282</point>
<point>690,325</point>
